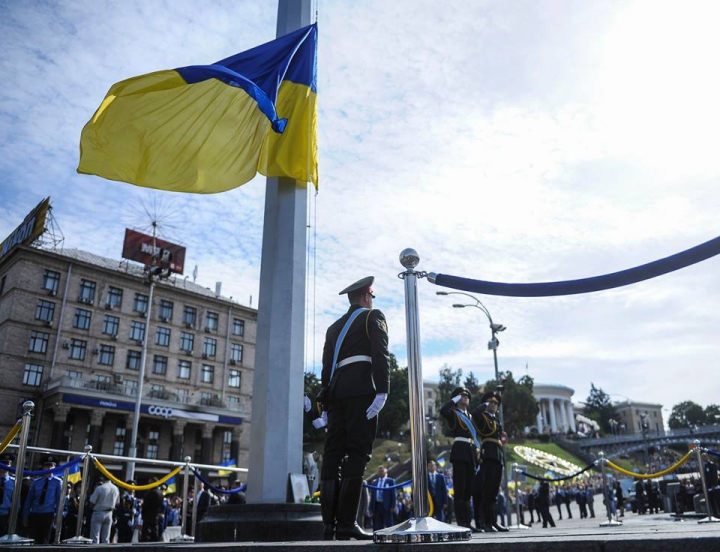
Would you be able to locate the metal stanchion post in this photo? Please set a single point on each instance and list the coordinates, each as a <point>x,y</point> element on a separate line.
<point>184,537</point>
<point>78,538</point>
<point>709,518</point>
<point>606,493</point>
<point>195,505</point>
<point>421,528</point>
<point>11,537</point>
<point>518,525</point>
<point>61,504</point>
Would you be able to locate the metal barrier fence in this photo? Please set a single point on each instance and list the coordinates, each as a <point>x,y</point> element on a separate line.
<point>187,467</point>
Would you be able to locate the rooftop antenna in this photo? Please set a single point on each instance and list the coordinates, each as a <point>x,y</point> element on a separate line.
<point>52,237</point>
<point>195,273</point>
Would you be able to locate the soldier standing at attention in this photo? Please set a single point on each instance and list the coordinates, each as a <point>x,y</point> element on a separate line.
<point>492,454</point>
<point>41,504</point>
<point>464,451</point>
<point>355,379</point>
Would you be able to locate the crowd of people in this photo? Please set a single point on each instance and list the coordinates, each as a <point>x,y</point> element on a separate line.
<point>110,514</point>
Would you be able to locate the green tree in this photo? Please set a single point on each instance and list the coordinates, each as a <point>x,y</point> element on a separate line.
<point>396,412</point>
<point>520,408</point>
<point>449,380</point>
<point>473,385</point>
<point>687,414</point>
<point>599,408</point>
<point>712,414</point>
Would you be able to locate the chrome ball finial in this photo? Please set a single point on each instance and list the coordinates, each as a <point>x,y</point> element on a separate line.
<point>409,258</point>
<point>28,406</point>
<point>187,459</point>
<point>88,449</point>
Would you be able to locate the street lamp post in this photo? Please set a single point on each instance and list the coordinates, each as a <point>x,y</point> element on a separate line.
<point>492,345</point>
<point>644,425</point>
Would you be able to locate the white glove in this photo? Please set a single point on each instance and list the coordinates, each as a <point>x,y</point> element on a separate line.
<point>456,398</point>
<point>320,422</point>
<point>306,403</point>
<point>376,406</point>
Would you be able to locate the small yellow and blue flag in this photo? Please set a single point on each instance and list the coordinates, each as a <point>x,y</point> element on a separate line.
<point>232,463</point>
<point>74,474</point>
<point>210,128</point>
<point>171,486</point>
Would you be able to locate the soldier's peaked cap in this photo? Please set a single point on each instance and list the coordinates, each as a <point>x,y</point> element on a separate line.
<point>361,285</point>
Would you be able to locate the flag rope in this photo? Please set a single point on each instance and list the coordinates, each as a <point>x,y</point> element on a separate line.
<point>10,436</point>
<point>130,487</point>
<point>212,487</point>
<point>40,473</point>
<point>571,476</point>
<point>651,475</point>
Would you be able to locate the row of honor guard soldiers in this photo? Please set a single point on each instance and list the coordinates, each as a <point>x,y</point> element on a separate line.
<point>477,456</point>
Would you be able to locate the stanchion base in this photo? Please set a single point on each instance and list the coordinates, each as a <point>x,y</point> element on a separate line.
<point>78,540</point>
<point>514,527</point>
<point>425,529</point>
<point>16,540</point>
<point>183,538</point>
<point>709,519</point>
<point>611,523</point>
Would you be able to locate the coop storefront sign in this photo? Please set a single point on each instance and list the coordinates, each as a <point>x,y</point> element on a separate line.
<point>151,409</point>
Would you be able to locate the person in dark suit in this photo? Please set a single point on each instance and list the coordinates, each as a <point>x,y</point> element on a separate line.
<point>205,499</point>
<point>493,456</point>
<point>619,499</point>
<point>355,386</point>
<point>151,509</point>
<point>463,454</point>
<point>7,486</point>
<point>640,496</point>
<point>41,504</point>
<point>383,500</point>
<point>437,487</point>
<point>544,504</point>
<point>531,504</point>
<point>713,485</point>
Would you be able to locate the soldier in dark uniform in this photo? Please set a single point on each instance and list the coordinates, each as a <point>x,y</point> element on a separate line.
<point>125,513</point>
<point>464,451</point>
<point>355,379</point>
<point>713,487</point>
<point>492,455</point>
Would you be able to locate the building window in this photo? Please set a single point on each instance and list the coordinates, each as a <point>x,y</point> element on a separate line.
<point>234,378</point>
<point>51,281</point>
<point>38,342</point>
<point>82,319</point>
<point>208,374</point>
<point>211,321</point>
<point>74,374</point>
<point>232,399</point>
<point>206,398</point>
<point>45,311</point>
<point>114,297</point>
<point>87,291</point>
<point>131,387</point>
<point>137,330</point>
<point>189,316</point>
<point>184,369</point>
<point>153,446</point>
<point>160,365</point>
<point>162,337</point>
<point>111,325</point>
<point>119,446</point>
<point>32,375</point>
<point>152,451</point>
<point>141,303</point>
<point>166,310</point>
<point>236,352</point>
<point>107,355</point>
<point>77,349</point>
<point>186,341</point>
<point>227,443</point>
<point>209,347</point>
<point>133,360</point>
<point>103,382</point>
<point>183,395</point>
<point>157,391</point>
<point>238,327</point>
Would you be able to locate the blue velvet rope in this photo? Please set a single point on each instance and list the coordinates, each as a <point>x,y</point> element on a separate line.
<point>390,487</point>
<point>713,452</point>
<point>558,478</point>
<point>212,487</point>
<point>680,260</point>
<point>40,473</point>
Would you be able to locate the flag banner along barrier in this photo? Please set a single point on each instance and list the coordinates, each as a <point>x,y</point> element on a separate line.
<point>713,452</point>
<point>210,128</point>
<point>130,487</point>
<point>10,436</point>
<point>634,275</point>
<point>651,475</point>
<point>551,479</point>
<point>40,473</point>
<point>240,489</point>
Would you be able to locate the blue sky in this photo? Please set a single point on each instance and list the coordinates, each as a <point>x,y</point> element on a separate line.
<point>507,141</point>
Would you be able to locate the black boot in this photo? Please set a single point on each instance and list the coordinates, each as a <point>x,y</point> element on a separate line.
<point>347,527</point>
<point>328,505</point>
<point>460,512</point>
<point>468,517</point>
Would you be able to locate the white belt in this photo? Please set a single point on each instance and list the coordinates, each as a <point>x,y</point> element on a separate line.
<point>356,358</point>
<point>464,440</point>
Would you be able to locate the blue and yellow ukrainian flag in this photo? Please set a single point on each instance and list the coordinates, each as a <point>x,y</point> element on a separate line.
<point>209,128</point>
<point>232,463</point>
<point>74,474</point>
<point>171,486</point>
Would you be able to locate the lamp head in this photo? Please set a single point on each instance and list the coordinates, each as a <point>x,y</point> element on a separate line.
<point>497,327</point>
<point>459,306</point>
<point>441,293</point>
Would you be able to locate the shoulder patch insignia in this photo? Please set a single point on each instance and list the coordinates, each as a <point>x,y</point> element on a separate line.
<point>382,325</point>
